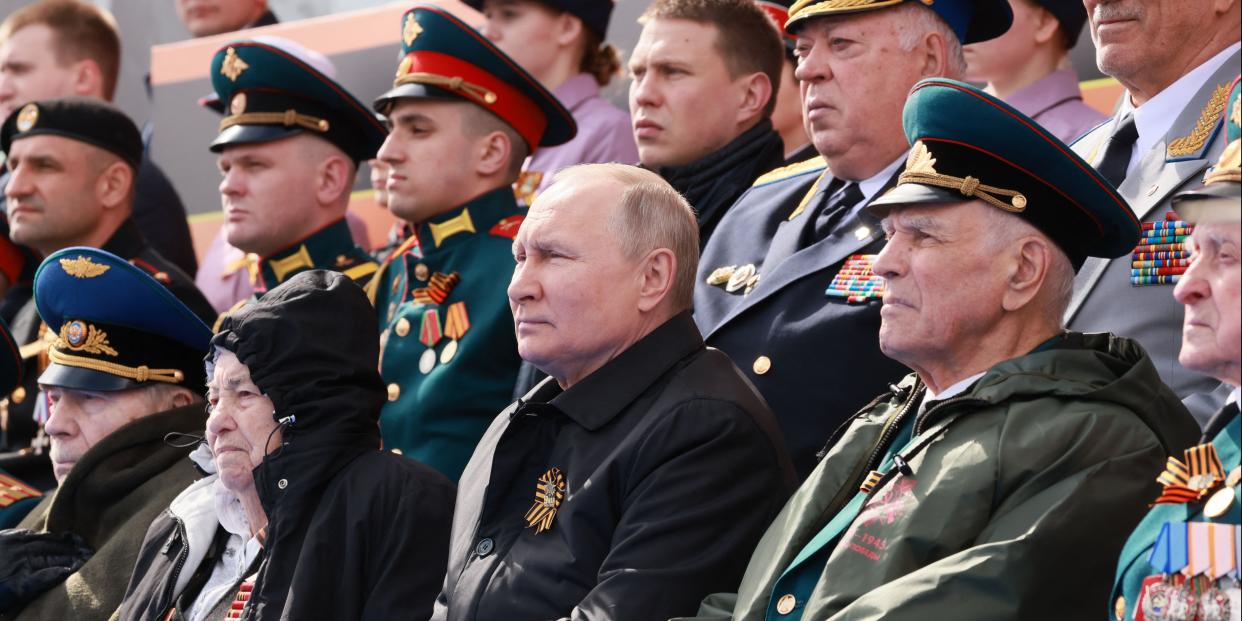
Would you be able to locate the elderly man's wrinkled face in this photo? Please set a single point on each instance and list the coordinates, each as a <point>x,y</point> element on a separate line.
<point>81,418</point>
<point>242,428</point>
<point>204,18</point>
<point>854,78</point>
<point>1133,36</point>
<point>1212,329</point>
<point>574,293</point>
<point>943,286</point>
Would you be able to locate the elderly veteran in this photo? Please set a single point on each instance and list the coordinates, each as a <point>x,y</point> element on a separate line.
<point>305,517</point>
<point>125,378</point>
<point>632,481</point>
<point>1182,562</point>
<point>785,286</point>
<point>1015,446</point>
<point>464,118</point>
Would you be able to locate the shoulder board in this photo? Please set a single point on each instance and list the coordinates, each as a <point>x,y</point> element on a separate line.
<point>361,271</point>
<point>508,227</point>
<point>814,164</point>
<point>12,490</point>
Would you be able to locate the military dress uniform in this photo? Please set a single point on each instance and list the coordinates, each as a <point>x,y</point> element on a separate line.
<point>1131,296</point>
<point>449,352</point>
<point>106,127</point>
<point>17,497</point>
<point>273,95</point>
<point>1183,561</point>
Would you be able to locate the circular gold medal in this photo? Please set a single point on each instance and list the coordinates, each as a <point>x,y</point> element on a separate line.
<point>427,361</point>
<point>1219,503</point>
<point>450,350</point>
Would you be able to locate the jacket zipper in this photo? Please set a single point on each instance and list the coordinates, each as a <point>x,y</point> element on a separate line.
<point>182,555</point>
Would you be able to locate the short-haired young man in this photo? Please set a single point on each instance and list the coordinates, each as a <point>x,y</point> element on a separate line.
<point>64,48</point>
<point>705,74</point>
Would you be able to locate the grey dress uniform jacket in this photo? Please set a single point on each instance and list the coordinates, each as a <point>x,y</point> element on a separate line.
<point>1104,300</point>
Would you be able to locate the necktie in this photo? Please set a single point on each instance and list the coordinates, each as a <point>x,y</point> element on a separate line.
<point>1120,147</point>
<point>830,211</point>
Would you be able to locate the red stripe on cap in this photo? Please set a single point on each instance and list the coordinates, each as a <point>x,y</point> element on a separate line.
<point>511,105</point>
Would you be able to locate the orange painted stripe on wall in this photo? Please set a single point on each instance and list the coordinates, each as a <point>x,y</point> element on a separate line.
<point>329,35</point>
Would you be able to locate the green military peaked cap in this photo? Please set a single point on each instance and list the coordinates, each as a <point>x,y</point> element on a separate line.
<point>267,93</point>
<point>444,58</point>
<point>966,144</point>
<point>116,327</point>
<point>1220,198</point>
<point>972,20</point>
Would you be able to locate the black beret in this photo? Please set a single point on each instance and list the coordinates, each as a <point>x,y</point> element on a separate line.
<point>85,120</point>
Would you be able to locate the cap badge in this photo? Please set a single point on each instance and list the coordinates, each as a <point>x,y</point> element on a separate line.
<point>27,117</point>
<point>77,335</point>
<point>411,30</point>
<point>549,493</point>
<point>921,169</point>
<point>83,267</point>
<point>233,65</point>
<point>238,105</point>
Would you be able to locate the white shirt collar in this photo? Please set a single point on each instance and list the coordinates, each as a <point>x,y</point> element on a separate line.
<point>870,186</point>
<point>1155,118</point>
<point>952,391</point>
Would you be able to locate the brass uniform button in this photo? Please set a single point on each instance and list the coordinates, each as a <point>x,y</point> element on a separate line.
<point>403,327</point>
<point>19,395</point>
<point>786,603</point>
<point>394,392</point>
<point>1119,608</point>
<point>762,365</point>
<point>421,272</point>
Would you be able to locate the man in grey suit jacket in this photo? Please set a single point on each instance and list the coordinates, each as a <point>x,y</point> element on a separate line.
<point>1176,60</point>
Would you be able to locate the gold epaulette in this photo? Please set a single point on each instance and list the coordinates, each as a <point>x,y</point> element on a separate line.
<point>785,172</point>
<point>12,490</point>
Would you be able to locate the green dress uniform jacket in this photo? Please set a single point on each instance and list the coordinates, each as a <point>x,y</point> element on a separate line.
<point>1225,433</point>
<point>329,248</point>
<point>458,265</point>
<point>109,499</point>
<point>1014,498</point>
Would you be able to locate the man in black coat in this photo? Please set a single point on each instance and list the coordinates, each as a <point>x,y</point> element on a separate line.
<point>346,530</point>
<point>653,466</point>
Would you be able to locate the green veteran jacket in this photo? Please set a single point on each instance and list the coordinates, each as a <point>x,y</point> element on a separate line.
<point>448,352</point>
<point>1013,502</point>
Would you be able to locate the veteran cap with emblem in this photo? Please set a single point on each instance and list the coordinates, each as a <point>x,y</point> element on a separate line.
<point>268,93</point>
<point>966,144</point>
<point>1220,197</point>
<point>972,20</point>
<point>78,118</point>
<point>443,58</point>
<point>593,13</point>
<point>116,327</point>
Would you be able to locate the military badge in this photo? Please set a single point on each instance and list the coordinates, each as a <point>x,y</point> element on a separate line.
<point>526,188</point>
<point>410,30</point>
<point>83,267</point>
<point>856,281</point>
<point>1161,256</point>
<point>739,277</point>
<point>438,288</point>
<point>549,493</point>
<point>233,65</point>
<point>429,334</point>
<point>1192,479</point>
<point>1209,120</point>
<point>456,324</point>
<point>27,118</point>
<point>79,336</point>
<point>13,490</point>
<point>721,275</point>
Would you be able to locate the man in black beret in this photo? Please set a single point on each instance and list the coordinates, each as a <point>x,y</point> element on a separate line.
<point>72,164</point>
